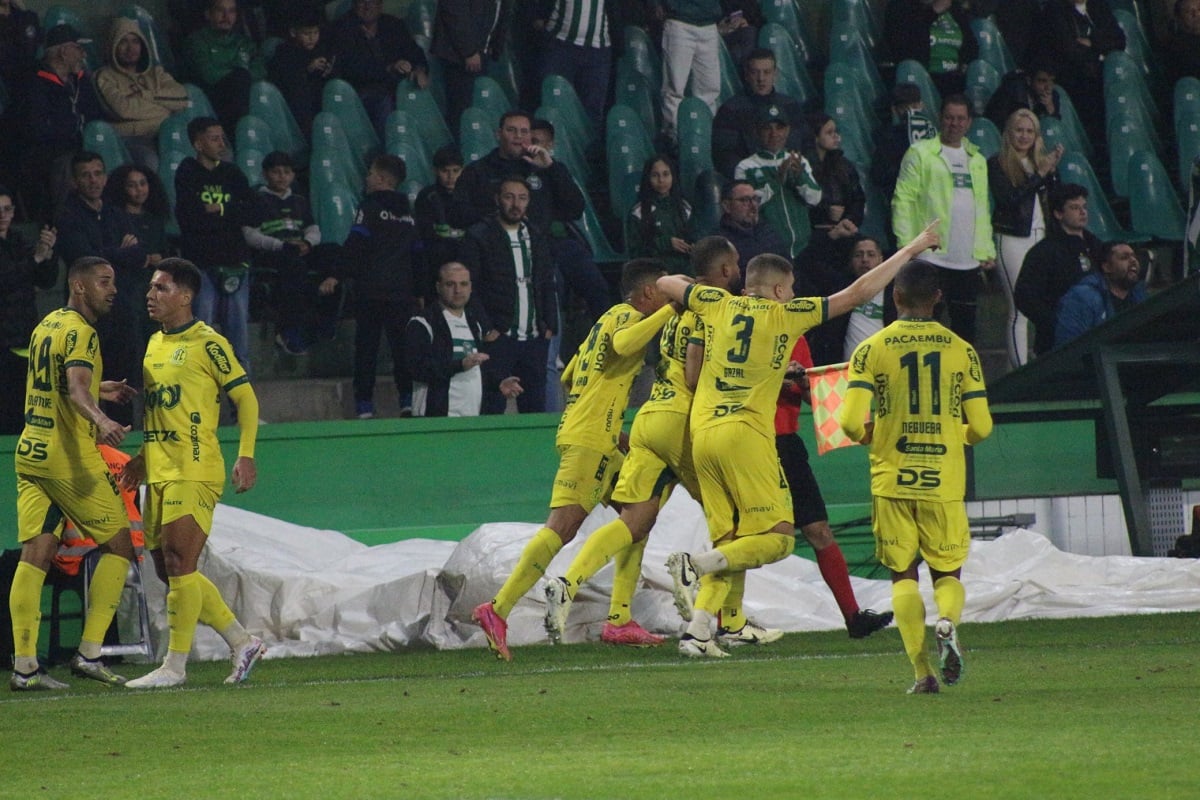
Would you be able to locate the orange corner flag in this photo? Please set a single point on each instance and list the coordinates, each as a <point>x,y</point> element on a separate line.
<point>827,388</point>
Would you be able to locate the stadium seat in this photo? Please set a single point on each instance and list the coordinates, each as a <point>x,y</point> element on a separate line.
<point>843,82</point>
<point>842,104</point>
<point>1186,96</point>
<point>643,55</point>
<point>909,71</point>
<point>504,72</point>
<point>626,157</point>
<point>422,108</point>
<point>340,99</point>
<point>695,142</point>
<point>1127,134</point>
<point>334,206</point>
<point>847,46</point>
<point>859,15</point>
<point>249,161</point>
<point>1187,142</point>
<point>1137,46</point>
<point>788,15</point>
<point>169,160</point>
<point>875,218</point>
<point>99,137</point>
<point>589,226</point>
<point>160,48</point>
<point>982,82</point>
<point>400,129</point>
<point>634,90</point>
<point>1074,168</point>
<point>268,48</point>
<point>557,92</point>
<point>417,163</point>
<point>198,103</point>
<point>1154,207</point>
<point>1072,126</point>
<point>172,134</point>
<point>420,17</point>
<point>489,96</point>
<point>253,134</point>
<point>410,189</point>
<point>706,208</point>
<point>984,134</point>
<point>330,137</point>
<point>1053,133</point>
<point>268,104</point>
<point>1125,84</point>
<point>624,120</point>
<point>61,15</point>
<point>731,79</point>
<point>992,47</point>
<point>476,133</point>
<point>567,147</point>
<point>791,77</point>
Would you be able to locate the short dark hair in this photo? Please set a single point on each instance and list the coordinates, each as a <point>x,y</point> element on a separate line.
<point>539,124</point>
<point>705,253</point>
<point>638,272</point>
<point>760,54</point>
<point>727,189</point>
<point>917,283</point>
<point>392,166</point>
<point>905,94</point>
<point>277,158</point>
<point>85,265</point>
<point>183,272</point>
<point>515,112</point>
<point>513,179</point>
<point>447,155</point>
<point>85,157</point>
<point>199,125</point>
<point>1106,249</point>
<point>957,99</point>
<point>1061,194</point>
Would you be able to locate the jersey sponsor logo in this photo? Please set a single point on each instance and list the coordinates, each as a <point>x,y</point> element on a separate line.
<point>34,451</point>
<point>975,368</point>
<point>801,305</point>
<point>161,396</point>
<point>722,386</point>
<point>781,351</point>
<point>918,479</point>
<point>903,445</point>
<point>71,340</point>
<point>725,409</point>
<point>93,346</point>
<point>160,436</point>
<point>601,468</point>
<point>194,435</point>
<point>860,358</point>
<point>216,354</point>
<point>708,295</point>
<point>33,420</point>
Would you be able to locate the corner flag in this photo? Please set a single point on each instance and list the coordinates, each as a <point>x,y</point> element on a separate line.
<point>827,388</point>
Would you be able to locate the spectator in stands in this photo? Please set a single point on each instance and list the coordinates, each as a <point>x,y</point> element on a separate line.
<point>378,255</point>
<point>1033,89</point>
<point>783,179</point>
<point>20,38</point>
<point>213,202</point>
<point>375,52</point>
<point>1052,266</point>
<point>1181,44</point>
<point>1078,35</point>
<point>468,36</point>
<point>23,267</point>
<point>140,194</point>
<point>660,222</point>
<point>742,226</point>
<point>284,245</point>
<point>739,28</point>
<point>835,340</point>
<point>1020,176</point>
<point>1100,295</point>
<point>513,276</point>
<point>837,216</point>
<point>61,99</point>
<point>945,178</point>
<point>735,128</point>
<point>691,51</point>
<point>223,61</point>
<point>301,65</point>
<point>910,124</point>
<point>444,358</point>
<point>579,48</point>
<point>937,35</point>
<point>443,214</point>
<point>137,95</point>
<point>1017,22</point>
<point>89,226</point>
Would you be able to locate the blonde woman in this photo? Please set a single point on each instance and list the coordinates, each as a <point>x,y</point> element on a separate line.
<point>1020,177</point>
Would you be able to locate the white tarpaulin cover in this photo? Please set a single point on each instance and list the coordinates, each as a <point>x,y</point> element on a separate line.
<point>312,592</point>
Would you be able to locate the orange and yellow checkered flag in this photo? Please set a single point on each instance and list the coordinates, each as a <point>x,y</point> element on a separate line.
<point>827,388</point>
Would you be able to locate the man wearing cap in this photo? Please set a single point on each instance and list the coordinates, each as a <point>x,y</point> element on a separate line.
<point>735,130</point>
<point>61,101</point>
<point>783,180</point>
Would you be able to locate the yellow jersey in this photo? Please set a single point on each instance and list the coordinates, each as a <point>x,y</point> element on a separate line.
<point>184,371</point>
<point>747,342</point>
<point>58,441</point>
<point>922,377</point>
<point>670,391</point>
<point>601,374</point>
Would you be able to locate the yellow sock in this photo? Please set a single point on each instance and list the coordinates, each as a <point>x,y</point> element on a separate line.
<point>104,595</point>
<point>625,582</point>
<point>714,588</point>
<point>216,614</point>
<point>732,619</point>
<point>531,566</point>
<point>950,597</point>
<point>184,600</point>
<point>25,606</point>
<point>606,542</point>
<point>909,608</point>
<point>748,552</point>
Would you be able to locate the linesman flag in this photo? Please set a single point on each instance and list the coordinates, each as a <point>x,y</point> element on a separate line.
<point>827,388</point>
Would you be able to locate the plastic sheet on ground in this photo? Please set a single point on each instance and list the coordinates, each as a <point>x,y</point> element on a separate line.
<point>314,592</point>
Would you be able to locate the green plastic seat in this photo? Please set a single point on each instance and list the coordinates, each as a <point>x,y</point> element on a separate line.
<point>1127,134</point>
<point>706,205</point>
<point>504,72</point>
<point>984,134</point>
<point>858,14</point>
<point>417,164</point>
<point>420,17</point>
<point>982,82</point>
<point>169,160</point>
<point>160,49</point>
<point>875,216</point>
<point>340,99</point>
<point>422,108</point>
<point>268,104</point>
<point>476,133</point>
<point>634,90</point>
<point>626,156</point>
<point>99,137</point>
<point>992,47</point>
<point>593,233</point>
<point>1137,45</point>
<point>249,161</point>
<point>842,81</point>
<point>1187,144</point>
<point>1074,168</point>
<point>909,71</point>
<point>253,134</point>
<point>329,137</point>
<point>731,80</point>
<point>172,134</point>
<point>568,148</point>
<point>1154,206</point>
<point>791,77</point>
<point>490,97</point>
<point>334,206</point>
<point>643,55</point>
<point>558,93</point>
<point>695,142</point>
<point>401,129</point>
<point>856,141</point>
<point>1125,84</point>
<point>788,15</point>
<point>1053,134</point>
<point>1072,126</point>
<point>847,46</point>
<point>198,103</point>
<point>624,120</point>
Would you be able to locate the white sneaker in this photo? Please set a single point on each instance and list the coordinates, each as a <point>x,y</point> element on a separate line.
<point>558,606</point>
<point>751,633</point>
<point>161,678</point>
<point>244,659</point>
<point>684,581</point>
<point>692,647</point>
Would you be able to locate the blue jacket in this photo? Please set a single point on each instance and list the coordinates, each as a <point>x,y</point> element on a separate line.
<point>1088,304</point>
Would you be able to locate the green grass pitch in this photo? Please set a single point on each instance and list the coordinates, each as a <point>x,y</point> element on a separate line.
<point>1089,708</point>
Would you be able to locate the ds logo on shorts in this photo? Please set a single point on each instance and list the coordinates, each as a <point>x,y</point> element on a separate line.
<point>920,479</point>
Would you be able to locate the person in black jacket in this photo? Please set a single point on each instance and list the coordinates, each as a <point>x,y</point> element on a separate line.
<point>301,65</point>
<point>22,267</point>
<point>378,255</point>
<point>375,51</point>
<point>448,369</point>
<point>213,200</point>
<point>513,275</point>
<point>467,37</point>
<point>443,213</point>
<point>937,35</point>
<point>1056,263</point>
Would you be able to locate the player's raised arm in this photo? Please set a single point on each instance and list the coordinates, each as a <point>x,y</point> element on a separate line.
<point>674,287</point>
<point>877,279</point>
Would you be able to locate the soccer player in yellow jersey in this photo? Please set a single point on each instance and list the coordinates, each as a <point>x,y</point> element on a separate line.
<point>925,381</point>
<point>599,378</point>
<point>60,472</point>
<point>748,340</point>
<point>660,455</point>
<point>187,366</point>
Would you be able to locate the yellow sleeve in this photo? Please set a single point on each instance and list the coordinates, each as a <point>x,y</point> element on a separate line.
<point>629,340</point>
<point>247,417</point>
<point>979,420</point>
<point>853,412</point>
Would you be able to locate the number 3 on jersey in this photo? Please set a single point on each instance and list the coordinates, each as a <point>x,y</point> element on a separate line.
<point>742,352</point>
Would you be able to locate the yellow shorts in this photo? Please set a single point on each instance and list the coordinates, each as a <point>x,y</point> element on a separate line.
<point>92,501</point>
<point>172,500</point>
<point>903,528</point>
<point>741,481</point>
<point>660,454</point>
<point>585,477</point>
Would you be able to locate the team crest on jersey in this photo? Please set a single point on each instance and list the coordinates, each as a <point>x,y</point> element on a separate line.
<point>72,340</point>
<point>534,182</point>
<point>860,359</point>
<point>216,354</point>
<point>179,357</point>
